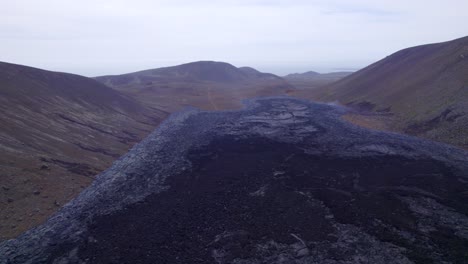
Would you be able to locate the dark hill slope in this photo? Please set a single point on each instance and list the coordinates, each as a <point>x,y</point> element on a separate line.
<point>204,84</point>
<point>425,86</point>
<point>57,131</point>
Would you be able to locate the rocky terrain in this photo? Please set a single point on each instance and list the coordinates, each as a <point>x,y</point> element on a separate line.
<point>282,181</point>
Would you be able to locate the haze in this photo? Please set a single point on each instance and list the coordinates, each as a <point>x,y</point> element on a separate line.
<point>110,37</point>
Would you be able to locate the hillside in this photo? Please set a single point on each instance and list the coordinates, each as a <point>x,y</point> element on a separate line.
<point>206,84</point>
<point>58,131</point>
<point>425,87</point>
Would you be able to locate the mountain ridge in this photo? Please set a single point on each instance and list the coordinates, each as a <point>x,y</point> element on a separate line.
<point>192,71</point>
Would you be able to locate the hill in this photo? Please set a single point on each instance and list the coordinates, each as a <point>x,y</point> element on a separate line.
<point>205,84</point>
<point>424,87</point>
<point>190,72</point>
<point>302,76</point>
<point>58,131</point>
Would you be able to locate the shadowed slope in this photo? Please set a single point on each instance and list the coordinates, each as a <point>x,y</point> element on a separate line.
<point>57,131</point>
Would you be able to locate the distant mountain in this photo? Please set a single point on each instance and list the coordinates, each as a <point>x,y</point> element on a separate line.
<point>311,79</point>
<point>204,84</point>
<point>252,73</point>
<point>426,87</point>
<point>305,75</point>
<point>57,131</point>
<point>194,71</point>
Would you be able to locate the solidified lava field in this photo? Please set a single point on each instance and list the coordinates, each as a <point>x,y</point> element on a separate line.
<point>282,181</point>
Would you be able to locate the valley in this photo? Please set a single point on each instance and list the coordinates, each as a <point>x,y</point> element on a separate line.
<point>205,84</point>
<point>60,130</point>
<point>232,165</point>
<point>282,180</point>
<point>233,132</point>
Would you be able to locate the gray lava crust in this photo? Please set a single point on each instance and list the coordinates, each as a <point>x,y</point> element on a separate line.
<point>281,181</point>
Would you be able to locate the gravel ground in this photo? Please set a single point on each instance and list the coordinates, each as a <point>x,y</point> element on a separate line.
<point>282,181</point>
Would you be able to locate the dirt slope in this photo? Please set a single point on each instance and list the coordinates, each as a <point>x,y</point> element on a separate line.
<point>57,132</point>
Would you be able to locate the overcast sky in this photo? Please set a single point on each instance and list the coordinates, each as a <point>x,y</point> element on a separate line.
<point>93,37</point>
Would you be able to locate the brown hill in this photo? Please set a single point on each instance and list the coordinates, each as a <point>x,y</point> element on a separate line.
<point>426,87</point>
<point>57,131</point>
<point>204,84</point>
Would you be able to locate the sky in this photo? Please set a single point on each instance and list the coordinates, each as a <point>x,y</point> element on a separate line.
<point>100,37</point>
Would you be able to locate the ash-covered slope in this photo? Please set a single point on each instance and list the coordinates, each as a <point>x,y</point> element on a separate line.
<point>283,181</point>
